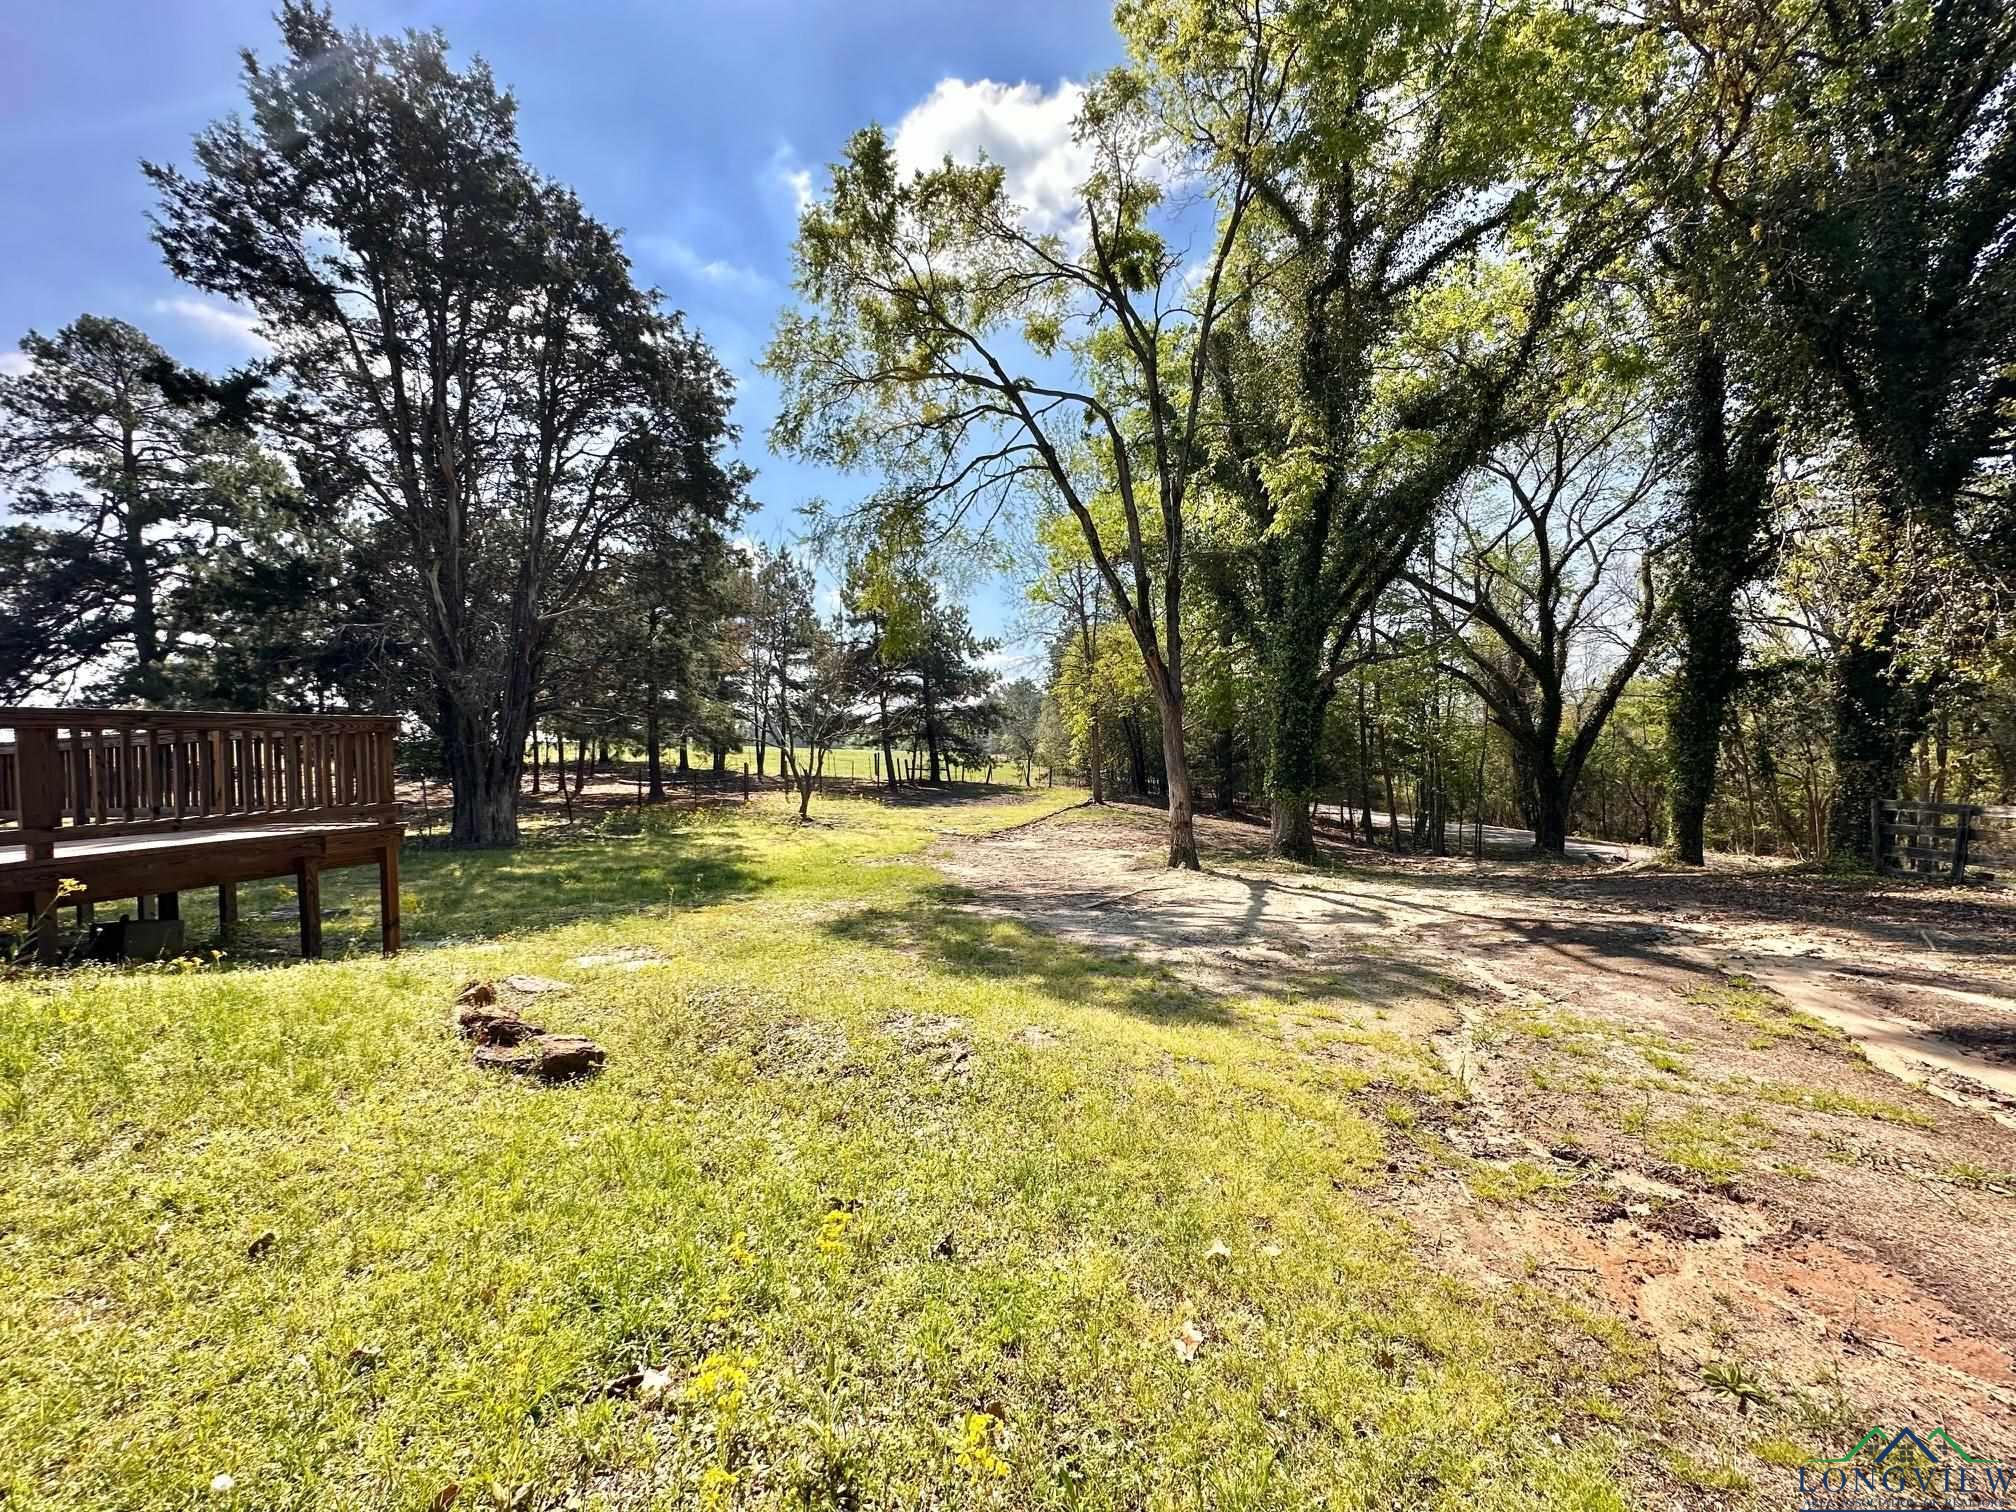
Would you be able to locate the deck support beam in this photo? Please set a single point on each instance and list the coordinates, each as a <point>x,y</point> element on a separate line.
<point>388,899</point>
<point>227,911</point>
<point>308,888</point>
<point>42,926</point>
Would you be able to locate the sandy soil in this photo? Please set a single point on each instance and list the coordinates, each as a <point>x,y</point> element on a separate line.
<point>1769,1118</point>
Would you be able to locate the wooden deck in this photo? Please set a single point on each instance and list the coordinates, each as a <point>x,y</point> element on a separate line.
<point>148,805</point>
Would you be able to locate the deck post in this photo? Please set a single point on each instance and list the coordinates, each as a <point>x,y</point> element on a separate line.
<point>42,924</point>
<point>308,889</point>
<point>227,911</point>
<point>168,906</point>
<point>39,776</point>
<point>143,906</point>
<point>388,899</point>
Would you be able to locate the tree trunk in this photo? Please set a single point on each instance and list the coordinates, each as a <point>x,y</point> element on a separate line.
<point>1293,834</point>
<point>1875,725</point>
<point>146,627</point>
<point>140,575</point>
<point>882,730</point>
<point>1386,771</point>
<point>1176,766</point>
<point>485,814</point>
<point>1549,819</point>
<point>1096,755</point>
<point>1942,735</point>
<point>1483,747</point>
<point>1293,702</point>
<point>654,759</point>
<point>1364,766</point>
<point>1543,798</point>
<point>483,776</point>
<point>1137,756</point>
<point>1725,502</point>
<point>485,811</point>
<point>930,726</point>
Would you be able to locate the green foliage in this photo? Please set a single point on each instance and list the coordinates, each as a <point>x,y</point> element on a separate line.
<point>470,367</point>
<point>136,468</point>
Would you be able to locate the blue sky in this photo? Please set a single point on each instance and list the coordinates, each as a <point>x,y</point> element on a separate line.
<point>693,126</point>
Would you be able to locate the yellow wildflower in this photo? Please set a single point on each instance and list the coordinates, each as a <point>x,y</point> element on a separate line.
<point>833,1231</point>
<point>717,1488</point>
<point>976,1446</point>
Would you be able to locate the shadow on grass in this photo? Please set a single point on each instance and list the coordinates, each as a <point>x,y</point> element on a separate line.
<point>950,795</point>
<point>449,895</point>
<point>1002,950</point>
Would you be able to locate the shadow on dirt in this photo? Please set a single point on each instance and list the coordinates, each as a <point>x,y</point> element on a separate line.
<point>944,932</point>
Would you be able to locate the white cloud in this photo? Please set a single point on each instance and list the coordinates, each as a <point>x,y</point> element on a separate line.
<point>1017,659</point>
<point>221,322</point>
<point>786,172</point>
<point>14,364</point>
<point>799,181</point>
<point>680,256</point>
<point>1022,127</point>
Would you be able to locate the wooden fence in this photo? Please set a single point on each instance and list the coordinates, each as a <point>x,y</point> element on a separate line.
<point>1913,838</point>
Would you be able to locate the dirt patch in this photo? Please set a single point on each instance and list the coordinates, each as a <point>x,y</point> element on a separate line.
<point>939,1042</point>
<point>812,1051</point>
<point>1768,1119</point>
<point>623,958</point>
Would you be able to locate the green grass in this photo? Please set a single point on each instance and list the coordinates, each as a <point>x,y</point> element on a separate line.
<point>1700,1138</point>
<point>869,1282</point>
<point>1968,1173</point>
<point>1521,1181</point>
<point>1832,1100</point>
<point>1665,1060</point>
<point>1767,1018</point>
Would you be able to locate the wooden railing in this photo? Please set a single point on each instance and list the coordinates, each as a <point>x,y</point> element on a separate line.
<point>79,774</point>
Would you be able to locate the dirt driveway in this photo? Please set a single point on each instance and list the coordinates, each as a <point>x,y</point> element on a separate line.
<point>1767,1119</point>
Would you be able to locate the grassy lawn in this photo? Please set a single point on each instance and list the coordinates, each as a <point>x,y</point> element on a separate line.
<point>888,1246</point>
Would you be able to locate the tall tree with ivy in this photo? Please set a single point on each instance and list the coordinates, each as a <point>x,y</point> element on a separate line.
<point>1869,151</point>
<point>1418,148</point>
<point>1727,437</point>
